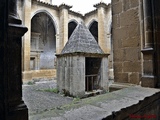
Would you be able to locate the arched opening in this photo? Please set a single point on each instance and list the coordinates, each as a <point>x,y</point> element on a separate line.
<point>71,26</point>
<point>93,28</point>
<point>43,42</point>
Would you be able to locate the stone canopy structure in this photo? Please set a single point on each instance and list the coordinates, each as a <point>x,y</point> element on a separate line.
<point>82,65</point>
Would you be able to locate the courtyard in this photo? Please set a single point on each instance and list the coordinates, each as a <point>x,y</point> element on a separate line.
<point>44,103</point>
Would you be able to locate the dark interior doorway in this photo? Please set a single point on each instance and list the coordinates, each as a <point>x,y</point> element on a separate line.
<point>92,74</point>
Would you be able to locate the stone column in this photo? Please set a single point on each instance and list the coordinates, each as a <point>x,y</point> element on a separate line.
<point>104,83</point>
<point>38,61</point>
<point>26,41</point>
<point>102,23</point>
<point>63,34</point>
<point>57,44</point>
<point>148,26</point>
<point>12,106</point>
<point>156,17</point>
<point>148,78</point>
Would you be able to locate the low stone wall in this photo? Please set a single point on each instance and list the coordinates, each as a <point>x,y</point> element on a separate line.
<point>143,103</point>
<point>133,103</point>
<point>35,74</point>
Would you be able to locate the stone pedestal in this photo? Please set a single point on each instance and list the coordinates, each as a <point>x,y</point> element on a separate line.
<point>148,79</point>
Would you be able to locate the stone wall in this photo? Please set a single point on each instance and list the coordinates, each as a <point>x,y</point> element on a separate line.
<point>126,41</point>
<point>36,74</point>
<point>71,75</point>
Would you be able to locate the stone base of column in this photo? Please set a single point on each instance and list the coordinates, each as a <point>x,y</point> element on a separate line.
<point>148,81</point>
<point>18,112</point>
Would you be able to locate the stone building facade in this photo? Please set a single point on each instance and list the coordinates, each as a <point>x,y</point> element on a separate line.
<point>126,41</point>
<point>135,42</point>
<point>49,28</point>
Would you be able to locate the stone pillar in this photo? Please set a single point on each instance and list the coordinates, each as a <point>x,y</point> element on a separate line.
<point>126,41</point>
<point>148,78</point>
<point>103,42</point>
<point>78,76</point>
<point>12,106</point>
<point>57,44</point>
<point>148,26</point>
<point>26,41</point>
<point>63,34</point>
<point>156,17</point>
<point>104,83</point>
<point>38,61</point>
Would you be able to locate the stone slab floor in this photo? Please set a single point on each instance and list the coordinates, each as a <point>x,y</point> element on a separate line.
<point>39,100</point>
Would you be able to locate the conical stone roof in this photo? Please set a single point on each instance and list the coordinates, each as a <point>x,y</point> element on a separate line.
<point>82,41</point>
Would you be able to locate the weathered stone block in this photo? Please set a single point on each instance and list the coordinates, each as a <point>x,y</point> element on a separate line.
<point>121,33</point>
<point>118,66</point>
<point>118,55</point>
<point>132,54</point>
<point>117,44</point>
<point>148,67</point>
<point>134,3</point>
<point>129,17</point>
<point>126,5</point>
<point>132,66</point>
<point>148,57</point>
<point>133,30</point>
<point>121,77</point>
<point>117,8</point>
<point>134,78</point>
<point>116,21</point>
<point>148,81</point>
<point>27,75</point>
<point>131,42</point>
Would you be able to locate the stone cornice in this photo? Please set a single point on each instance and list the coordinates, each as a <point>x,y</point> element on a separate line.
<point>83,54</point>
<point>45,4</point>
<point>91,13</point>
<point>64,6</point>
<point>101,4</point>
<point>76,13</point>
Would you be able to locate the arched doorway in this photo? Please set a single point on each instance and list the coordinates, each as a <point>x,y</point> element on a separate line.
<point>93,28</point>
<point>43,42</point>
<point>71,26</point>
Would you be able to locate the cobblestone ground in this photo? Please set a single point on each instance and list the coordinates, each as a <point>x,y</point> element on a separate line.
<point>38,100</point>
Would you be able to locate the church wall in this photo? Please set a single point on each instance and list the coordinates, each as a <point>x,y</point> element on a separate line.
<point>126,41</point>
<point>89,18</point>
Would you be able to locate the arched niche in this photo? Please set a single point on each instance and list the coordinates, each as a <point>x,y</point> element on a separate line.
<point>43,42</point>
<point>93,28</point>
<point>71,26</point>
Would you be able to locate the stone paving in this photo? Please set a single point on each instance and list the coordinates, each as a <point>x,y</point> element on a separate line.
<point>44,105</point>
<point>39,101</point>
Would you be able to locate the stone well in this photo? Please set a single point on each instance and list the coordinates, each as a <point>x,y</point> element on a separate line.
<point>82,66</point>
